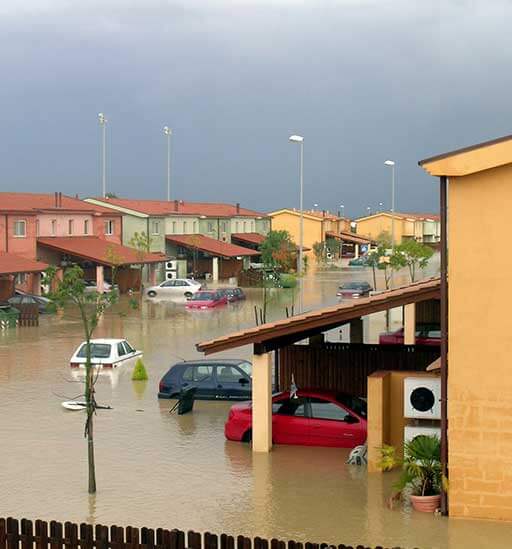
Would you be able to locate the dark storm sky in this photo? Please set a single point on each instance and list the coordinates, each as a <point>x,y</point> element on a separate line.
<point>362,80</point>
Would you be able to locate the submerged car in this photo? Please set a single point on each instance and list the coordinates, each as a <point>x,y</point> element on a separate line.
<point>233,294</point>
<point>426,334</point>
<point>177,287</point>
<point>207,299</point>
<point>361,261</point>
<point>92,286</point>
<point>222,379</point>
<point>313,418</point>
<point>106,353</point>
<point>20,298</point>
<point>354,289</point>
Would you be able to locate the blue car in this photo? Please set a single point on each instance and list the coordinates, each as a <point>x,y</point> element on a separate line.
<point>223,379</point>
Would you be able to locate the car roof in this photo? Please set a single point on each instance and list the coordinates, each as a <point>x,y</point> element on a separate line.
<point>105,340</point>
<point>207,361</point>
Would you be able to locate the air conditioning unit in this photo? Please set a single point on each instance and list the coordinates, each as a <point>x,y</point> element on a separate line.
<point>412,431</point>
<point>170,275</point>
<point>171,265</point>
<point>422,397</point>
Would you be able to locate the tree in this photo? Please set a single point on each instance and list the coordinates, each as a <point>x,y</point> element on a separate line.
<point>414,255</point>
<point>279,251</point>
<point>91,305</point>
<point>142,243</point>
<point>319,251</point>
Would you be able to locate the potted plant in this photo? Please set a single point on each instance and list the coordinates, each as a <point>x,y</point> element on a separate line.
<point>421,475</point>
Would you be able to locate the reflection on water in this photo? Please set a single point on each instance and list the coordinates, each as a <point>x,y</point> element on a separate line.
<point>160,469</point>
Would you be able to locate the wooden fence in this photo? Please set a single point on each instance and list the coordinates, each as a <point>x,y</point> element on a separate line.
<point>29,314</point>
<point>25,534</point>
<point>345,367</point>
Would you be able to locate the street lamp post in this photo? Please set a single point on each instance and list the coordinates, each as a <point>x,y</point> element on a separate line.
<point>391,164</point>
<point>168,133</point>
<point>103,123</point>
<point>300,140</point>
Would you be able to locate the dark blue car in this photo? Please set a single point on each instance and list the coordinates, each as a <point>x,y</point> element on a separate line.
<point>223,379</point>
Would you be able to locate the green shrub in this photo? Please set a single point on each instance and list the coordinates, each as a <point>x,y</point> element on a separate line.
<point>288,281</point>
<point>139,372</point>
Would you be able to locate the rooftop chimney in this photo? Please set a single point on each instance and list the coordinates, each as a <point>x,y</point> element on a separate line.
<point>56,200</point>
<point>176,203</point>
<point>60,200</point>
<point>238,207</point>
<point>323,213</point>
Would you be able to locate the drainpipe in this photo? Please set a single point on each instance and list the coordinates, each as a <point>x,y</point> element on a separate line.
<point>6,233</point>
<point>444,340</point>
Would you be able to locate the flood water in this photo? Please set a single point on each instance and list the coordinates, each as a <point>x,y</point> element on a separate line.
<point>160,470</point>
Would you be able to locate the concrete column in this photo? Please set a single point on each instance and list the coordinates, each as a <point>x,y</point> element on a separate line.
<point>410,324</point>
<point>152,274</point>
<point>36,283</point>
<point>356,251</point>
<point>356,330</point>
<point>262,402</point>
<point>99,279</point>
<point>215,269</point>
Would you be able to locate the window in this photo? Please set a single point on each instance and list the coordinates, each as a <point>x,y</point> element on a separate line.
<point>70,226</point>
<point>198,373</point>
<point>228,374</point>
<point>20,228</point>
<point>246,367</point>
<point>120,349</point>
<point>109,227</point>
<point>237,227</point>
<point>86,226</point>
<point>180,283</point>
<point>184,227</point>
<point>245,227</point>
<point>98,350</point>
<point>168,284</point>
<point>210,227</point>
<point>224,226</point>
<point>323,409</point>
<point>354,403</point>
<point>54,227</point>
<point>37,227</point>
<point>21,278</point>
<point>194,227</point>
<point>155,228</point>
<point>174,227</point>
<point>290,407</point>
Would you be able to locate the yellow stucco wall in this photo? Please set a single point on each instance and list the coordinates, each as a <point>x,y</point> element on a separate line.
<point>480,345</point>
<point>374,226</point>
<point>291,222</point>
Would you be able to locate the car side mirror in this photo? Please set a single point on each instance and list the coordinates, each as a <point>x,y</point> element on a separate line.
<point>243,381</point>
<point>350,419</point>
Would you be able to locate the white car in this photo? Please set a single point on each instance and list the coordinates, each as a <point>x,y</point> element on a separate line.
<point>177,287</point>
<point>106,353</point>
<point>90,286</point>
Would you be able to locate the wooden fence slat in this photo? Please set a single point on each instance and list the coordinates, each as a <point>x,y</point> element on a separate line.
<point>27,534</point>
<point>56,535</point>
<point>3,534</point>
<point>193,540</point>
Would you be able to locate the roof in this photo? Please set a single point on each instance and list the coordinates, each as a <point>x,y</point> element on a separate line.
<point>14,264</point>
<point>37,202</point>
<point>468,160</point>
<point>250,238</point>
<point>284,332</point>
<point>404,215</point>
<point>314,215</point>
<point>348,237</point>
<point>210,245</point>
<point>179,207</point>
<point>100,251</point>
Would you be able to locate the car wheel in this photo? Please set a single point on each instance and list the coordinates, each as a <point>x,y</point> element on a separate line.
<point>188,294</point>
<point>151,293</point>
<point>247,436</point>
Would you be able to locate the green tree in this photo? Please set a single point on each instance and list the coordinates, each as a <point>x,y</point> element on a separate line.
<point>319,251</point>
<point>414,255</point>
<point>142,243</point>
<point>278,251</point>
<point>91,305</point>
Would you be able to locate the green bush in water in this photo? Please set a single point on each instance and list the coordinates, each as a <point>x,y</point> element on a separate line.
<point>288,281</point>
<point>139,372</point>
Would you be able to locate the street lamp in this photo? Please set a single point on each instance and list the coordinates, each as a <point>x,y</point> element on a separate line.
<point>103,123</point>
<point>391,164</point>
<point>168,133</point>
<point>300,140</point>
<point>380,206</point>
<point>342,206</point>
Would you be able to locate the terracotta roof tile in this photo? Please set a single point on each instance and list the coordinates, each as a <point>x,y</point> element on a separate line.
<point>210,245</point>
<point>251,238</point>
<point>14,264</point>
<point>33,202</point>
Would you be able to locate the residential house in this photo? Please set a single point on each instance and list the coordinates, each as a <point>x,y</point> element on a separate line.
<point>405,226</point>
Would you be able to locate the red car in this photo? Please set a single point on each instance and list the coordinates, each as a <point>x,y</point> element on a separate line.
<point>426,334</point>
<point>207,299</point>
<point>313,418</point>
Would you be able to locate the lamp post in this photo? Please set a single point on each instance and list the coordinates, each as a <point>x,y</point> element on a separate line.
<point>300,140</point>
<point>103,123</point>
<point>168,133</point>
<point>391,164</point>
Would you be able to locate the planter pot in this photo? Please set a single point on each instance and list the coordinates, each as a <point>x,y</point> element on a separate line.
<point>426,504</point>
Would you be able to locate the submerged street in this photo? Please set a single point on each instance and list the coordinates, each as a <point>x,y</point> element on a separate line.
<point>160,470</point>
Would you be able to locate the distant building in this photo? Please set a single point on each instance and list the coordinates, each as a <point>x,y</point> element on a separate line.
<point>422,227</point>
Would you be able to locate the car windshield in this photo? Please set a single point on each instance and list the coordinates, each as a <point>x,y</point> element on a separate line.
<point>203,296</point>
<point>353,285</point>
<point>357,404</point>
<point>98,350</point>
<point>246,367</point>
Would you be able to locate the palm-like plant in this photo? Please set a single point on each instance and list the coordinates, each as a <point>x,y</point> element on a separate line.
<point>422,466</point>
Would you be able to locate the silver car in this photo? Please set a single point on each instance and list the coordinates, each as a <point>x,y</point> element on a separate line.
<point>177,287</point>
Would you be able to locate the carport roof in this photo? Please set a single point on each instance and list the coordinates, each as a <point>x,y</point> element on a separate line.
<point>348,237</point>
<point>15,264</point>
<point>250,238</point>
<point>274,335</point>
<point>209,245</point>
<point>97,250</point>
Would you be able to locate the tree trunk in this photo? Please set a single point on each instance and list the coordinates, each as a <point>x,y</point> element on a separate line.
<point>89,401</point>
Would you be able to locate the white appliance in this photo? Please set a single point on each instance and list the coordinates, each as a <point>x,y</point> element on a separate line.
<point>171,265</point>
<point>171,275</point>
<point>412,431</point>
<point>422,397</point>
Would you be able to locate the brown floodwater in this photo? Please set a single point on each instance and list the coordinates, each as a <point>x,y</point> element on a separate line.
<point>160,470</point>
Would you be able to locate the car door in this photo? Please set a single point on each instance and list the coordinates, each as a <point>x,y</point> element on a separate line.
<point>290,421</point>
<point>333,425</point>
<point>200,376</point>
<point>232,382</point>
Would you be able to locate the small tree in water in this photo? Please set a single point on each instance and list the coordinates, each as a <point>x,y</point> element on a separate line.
<point>91,305</point>
<point>414,255</point>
